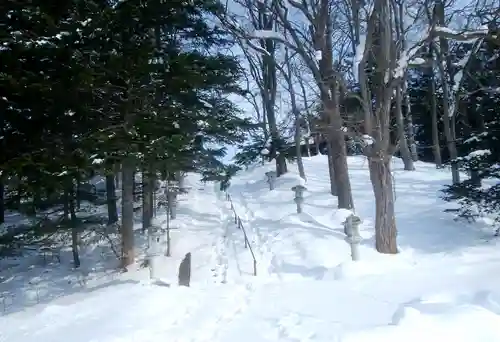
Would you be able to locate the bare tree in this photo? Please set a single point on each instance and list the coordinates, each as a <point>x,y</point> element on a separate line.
<point>379,47</point>
<point>287,74</point>
<point>358,14</point>
<point>451,75</point>
<point>401,96</point>
<point>448,117</point>
<point>311,38</point>
<point>262,67</point>
<point>318,30</point>
<point>382,54</point>
<point>382,57</point>
<point>252,96</point>
<point>307,96</point>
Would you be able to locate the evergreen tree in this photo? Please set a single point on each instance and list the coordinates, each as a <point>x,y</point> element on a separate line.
<point>480,194</point>
<point>88,85</point>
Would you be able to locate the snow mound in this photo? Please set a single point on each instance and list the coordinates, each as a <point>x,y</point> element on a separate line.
<point>375,264</point>
<point>443,317</point>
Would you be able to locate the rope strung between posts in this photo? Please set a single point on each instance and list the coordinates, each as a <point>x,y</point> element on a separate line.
<point>237,221</point>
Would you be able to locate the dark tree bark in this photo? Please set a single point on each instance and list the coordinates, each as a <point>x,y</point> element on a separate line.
<point>127,226</point>
<point>2,200</point>
<point>381,178</point>
<point>111,199</point>
<point>147,191</point>
<point>75,235</point>
<point>436,148</point>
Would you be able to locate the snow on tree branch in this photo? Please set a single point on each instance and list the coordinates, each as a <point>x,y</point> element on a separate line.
<point>408,56</point>
<point>467,35</point>
<point>267,34</point>
<point>458,77</point>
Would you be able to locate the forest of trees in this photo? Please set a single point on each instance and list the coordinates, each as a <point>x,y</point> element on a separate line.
<point>105,86</point>
<point>382,78</point>
<point>123,87</point>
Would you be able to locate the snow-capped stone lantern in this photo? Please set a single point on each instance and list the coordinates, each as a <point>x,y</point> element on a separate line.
<point>155,248</point>
<point>351,230</point>
<point>299,196</point>
<point>271,179</point>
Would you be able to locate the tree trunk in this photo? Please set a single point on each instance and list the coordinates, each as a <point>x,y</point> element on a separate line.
<point>134,188</point>
<point>181,178</point>
<point>2,199</point>
<point>152,193</point>
<point>127,226</point>
<point>111,199</point>
<point>480,129</point>
<point>269,98</point>
<point>329,94</point>
<point>78,191</point>
<point>281,166</point>
<point>37,198</point>
<point>403,143</point>
<point>19,194</point>
<point>450,141</point>
<point>339,154</point>
<point>385,222</point>
<point>377,105</point>
<point>296,114</point>
<point>146,199</point>
<point>66,203</point>
<point>331,170</point>
<point>168,252</point>
<point>308,145</point>
<point>269,86</point>
<point>75,236</point>
<point>445,66</point>
<point>117,177</point>
<point>411,132</point>
<point>436,148</point>
<point>408,147</point>
<point>300,162</point>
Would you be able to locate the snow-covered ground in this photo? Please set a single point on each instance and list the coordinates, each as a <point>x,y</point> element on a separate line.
<point>444,285</point>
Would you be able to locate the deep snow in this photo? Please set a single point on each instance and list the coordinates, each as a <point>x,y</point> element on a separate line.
<point>444,284</point>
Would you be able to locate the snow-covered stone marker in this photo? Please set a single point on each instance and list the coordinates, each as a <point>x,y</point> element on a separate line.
<point>271,179</point>
<point>299,196</point>
<point>351,230</point>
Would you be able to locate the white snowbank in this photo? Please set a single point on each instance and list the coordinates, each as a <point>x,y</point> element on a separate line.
<point>436,320</point>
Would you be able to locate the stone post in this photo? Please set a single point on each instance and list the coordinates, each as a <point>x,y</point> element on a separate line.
<point>271,179</point>
<point>351,230</point>
<point>299,196</point>
<point>184,276</point>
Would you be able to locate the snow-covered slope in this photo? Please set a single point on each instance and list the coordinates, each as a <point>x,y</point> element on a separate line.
<point>444,285</point>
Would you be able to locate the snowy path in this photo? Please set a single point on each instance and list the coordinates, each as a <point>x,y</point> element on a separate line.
<point>132,312</point>
<point>202,229</point>
<point>289,246</point>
